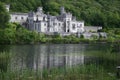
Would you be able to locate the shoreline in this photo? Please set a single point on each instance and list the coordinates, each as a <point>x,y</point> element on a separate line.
<point>49,42</point>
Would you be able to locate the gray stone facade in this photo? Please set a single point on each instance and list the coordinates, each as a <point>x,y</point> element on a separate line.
<point>46,23</point>
<point>65,23</point>
<point>18,17</point>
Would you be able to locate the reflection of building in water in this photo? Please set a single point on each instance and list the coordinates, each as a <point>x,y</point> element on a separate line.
<point>74,60</point>
<point>57,61</point>
<point>47,56</point>
<point>50,57</point>
<point>23,58</point>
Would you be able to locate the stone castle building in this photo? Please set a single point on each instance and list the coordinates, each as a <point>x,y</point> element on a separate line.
<point>46,23</point>
<point>64,24</point>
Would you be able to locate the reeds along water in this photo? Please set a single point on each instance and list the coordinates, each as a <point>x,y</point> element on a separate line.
<point>86,72</point>
<point>4,61</point>
<point>96,70</point>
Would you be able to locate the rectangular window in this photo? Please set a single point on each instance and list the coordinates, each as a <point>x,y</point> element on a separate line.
<point>80,25</point>
<point>35,26</point>
<point>44,24</point>
<point>45,29</point>
<point>22,18</point>
<point>15,17</point>
<point>59,24</point>
<point>68,22</point>
<point>54,24</point>
<point>73,26</point>
<point>39,27</point>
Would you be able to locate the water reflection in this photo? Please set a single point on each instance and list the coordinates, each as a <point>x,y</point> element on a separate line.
<point>39,57</point>
<point>5,48</point>
<point>46,56</point>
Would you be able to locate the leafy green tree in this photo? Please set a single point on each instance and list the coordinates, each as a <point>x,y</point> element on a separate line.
<point>104,13</point>
<point>4,16</point>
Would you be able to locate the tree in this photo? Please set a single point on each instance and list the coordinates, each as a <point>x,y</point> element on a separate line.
<point>105,13</point>
<point>4,16</point>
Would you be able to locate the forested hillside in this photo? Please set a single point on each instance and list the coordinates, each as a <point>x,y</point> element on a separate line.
<point>104,13</point>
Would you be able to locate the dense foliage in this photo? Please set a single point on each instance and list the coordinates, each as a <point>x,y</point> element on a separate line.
<point>22,5</point>
<point>104,13</point>
<point>15,33</point>
<point>94,12</point>
<point>86,72</point>
<point>4,16</point>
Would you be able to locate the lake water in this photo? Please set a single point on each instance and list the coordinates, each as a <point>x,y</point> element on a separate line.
<point>46,56</point>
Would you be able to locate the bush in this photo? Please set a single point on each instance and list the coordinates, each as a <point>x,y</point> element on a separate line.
<point>81,36</point>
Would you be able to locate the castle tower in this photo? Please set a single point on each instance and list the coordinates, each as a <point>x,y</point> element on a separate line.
<point>30,14</point>
<point>40,10</point>
<point>62,10</point>
<point>7,7</point>
<point>49,22</point>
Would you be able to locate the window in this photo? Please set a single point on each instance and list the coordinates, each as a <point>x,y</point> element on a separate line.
<point>59,24</point>
<point>73,26</point>
<point>22,18</point>
<point>54,24</point>
<point>45,29</point>
<point>80,25</point>
<point>15,17</point>
<point>68,22</point>
<point>43,18</point>
<point>39,27</point>
<point>35,26</point>
<point>44,24</point>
